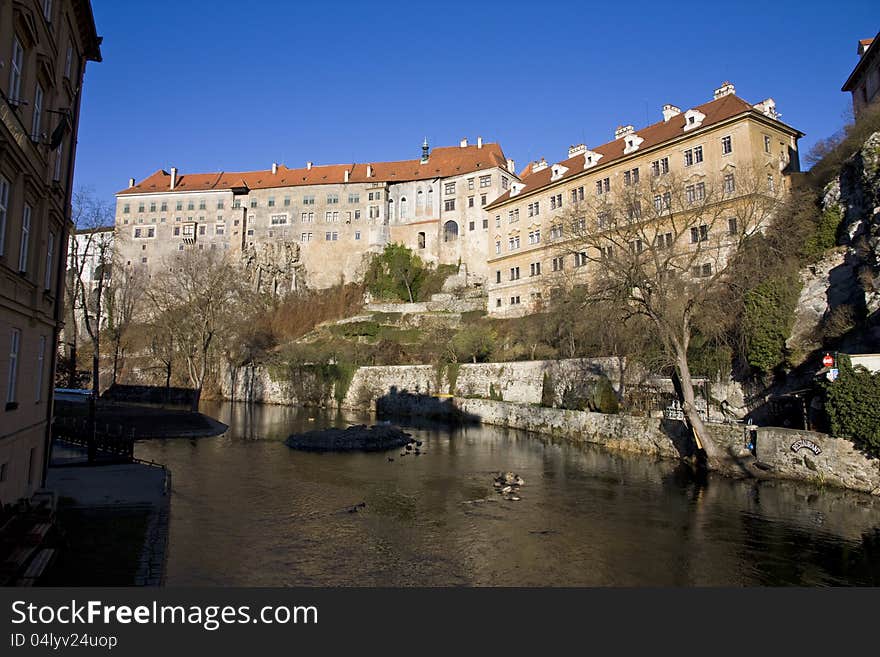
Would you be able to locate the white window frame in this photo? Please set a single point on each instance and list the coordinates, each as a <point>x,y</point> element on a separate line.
<point>26,215</point>
<point>15,68</point>
<point>50,260</point>
<point>12,375</point>
<point>4,211</point>
<point>37,119</point>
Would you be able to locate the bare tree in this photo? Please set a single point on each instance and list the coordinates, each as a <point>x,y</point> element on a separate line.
<point>89,270</point>
<point>123,304</point>
<point>193,300</point>
<point>662,250</point>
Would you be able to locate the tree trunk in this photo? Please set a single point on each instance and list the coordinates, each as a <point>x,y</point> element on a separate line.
<point>115,363</point>
<point>71,374</point>
<point>703,441</point>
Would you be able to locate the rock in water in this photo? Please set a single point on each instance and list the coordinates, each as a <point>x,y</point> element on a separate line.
<point>355,438</point>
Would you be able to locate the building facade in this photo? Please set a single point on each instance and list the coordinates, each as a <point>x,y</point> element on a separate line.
<point>44,47</point>
<point>864,82</point>
<point>317,225</point>
<point>703,148</point>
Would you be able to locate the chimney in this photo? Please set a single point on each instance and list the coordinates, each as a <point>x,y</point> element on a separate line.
<point>130,183</point>
<point>308,166</point>
<point>479,142</point>
<point>511,165</point>
<point>670,110</point>
<point>173,177</point>
<point>369,171</point>
<point>864,44</point>
<point>463,143</point>
<point>539,166</point>
<point>726,89</point>
<point>768,108</point>
<point>274,168</point>
<point>577,149</point>
<point>347,173</point>
<point>623,131</point>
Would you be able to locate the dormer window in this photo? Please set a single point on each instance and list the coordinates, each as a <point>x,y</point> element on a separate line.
<point>632,144</point>
<point>557,171</point>
<point>591,159</point>
<point>516,188</point>
<point>693,119</point>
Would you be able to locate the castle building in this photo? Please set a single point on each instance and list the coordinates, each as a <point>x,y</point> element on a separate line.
<point>316,225</point>
<point>44,47</point>
<point>713,144</point>
<point>864,81</point>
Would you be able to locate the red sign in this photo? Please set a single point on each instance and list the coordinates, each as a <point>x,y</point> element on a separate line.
<point>828,361</point>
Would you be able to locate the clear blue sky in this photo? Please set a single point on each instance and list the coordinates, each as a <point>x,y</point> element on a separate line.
<point>222,85</point>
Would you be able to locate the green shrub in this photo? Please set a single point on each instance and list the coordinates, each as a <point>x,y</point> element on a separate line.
<point>825,235</point>
<point>395,274</point>
<point>452,374</point>
<point>356,329</point>
<point>768,317</point>
<point>548,392</point>
<point>852,403</point>
<point>473,343</point>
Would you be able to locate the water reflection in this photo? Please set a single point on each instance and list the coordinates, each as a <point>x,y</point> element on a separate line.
<point>249,511</point>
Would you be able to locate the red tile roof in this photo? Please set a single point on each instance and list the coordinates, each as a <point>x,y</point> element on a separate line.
<point>869,52</point>
<point>716,111</point>
<point>442,162</point>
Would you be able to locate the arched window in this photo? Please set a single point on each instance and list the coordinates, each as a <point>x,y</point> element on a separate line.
<point>420,200</point>
<point>450,231</point>
<point>391,209</point>
<point>430,200</point>
<point>421,240</point>
<point>402,207</point>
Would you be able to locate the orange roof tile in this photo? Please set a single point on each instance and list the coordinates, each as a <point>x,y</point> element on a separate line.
<point>716,111</point>
<point>442,162</point>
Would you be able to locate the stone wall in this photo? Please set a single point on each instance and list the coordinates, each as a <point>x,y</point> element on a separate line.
<point>792,454</point>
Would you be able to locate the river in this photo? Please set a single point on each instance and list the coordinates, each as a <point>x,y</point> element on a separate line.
<point>248,511</point>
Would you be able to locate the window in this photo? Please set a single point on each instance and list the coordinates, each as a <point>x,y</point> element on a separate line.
<point>634,210</point>
<point>606,252</point>
<point>50,260</point>
<point>357,215</point>
<point>636,247</point>
<point>15,71</point>
<point>472,225</point>
<point>660,167</point>
<point>430,200</point>
<point>68,62</point>
<point>220,229</point>
<point>535,236</point>
<point>470,183</point>
<point>253,202</point>
<point>271,202</point>
<point>603,186</point>
<point>449,204</point>
<point>4,209</point>
<point>354,198</point>
<point>420,199</point>
<point>558,263</point>
<point>555,231</point>
<point>25,239</point>
<point>771,184</point>
<point>729,183</point>
<point>555,201</point>
<point>236,203</point>
<point>513,216</point>
<point>201,230</point>
<point>498,276</point>
<point>631,177</point>
<point>470,201</point>
<point>38,113</point>
<point>535,269</point>
<point>514,301</point>
<point>699,233</point>
<point>732,228</point>
<point>306,237</point>
<point>726,145</point>
<point>177,230</point>
<point>701,271</point>
<point>514,273</point>
<point>497,246</point>
<point>12,375</point>
<point>497,221</point>
<point>663,241</point>
<point>482,199</point>
<point>357,234</point>
<point>332,199</point>
<point>286,201</point>
<point>662,201</point>
<point>766,143</point>
<point>179,205</point>
<point>497,305</point>
<point>404,207</point>
<point>278,219</point>
<point>513,243</point>
<point>450,231</point>
<point>486,181</point>
<point>504,182</point>
<point>603,219</point>
<point>449,188</point>
<point>331,236</point>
